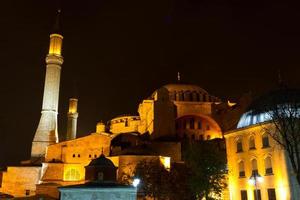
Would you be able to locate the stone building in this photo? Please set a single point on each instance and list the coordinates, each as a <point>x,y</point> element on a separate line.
<point>259,167</point>
<point>172,113</point>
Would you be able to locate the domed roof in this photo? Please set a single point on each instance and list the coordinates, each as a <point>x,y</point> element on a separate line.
<point>102,161</point>
<point>176,87</point>
<point>259,109</point>
<point>187,92</point>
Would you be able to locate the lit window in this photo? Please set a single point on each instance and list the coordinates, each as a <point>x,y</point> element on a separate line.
<point>252,142</point>
<point>72,175</point>
<point>265,141</point>
<point>268,166</point>
<point>239,145</point>
<point>254,167</point>
<point>241,169</point>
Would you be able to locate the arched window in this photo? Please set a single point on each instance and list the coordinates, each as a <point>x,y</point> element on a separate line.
<point>241,169</point>
<point>265,141</point>
<point>254,167</point>
<point>268,165</point>
<point>239,145</point>
<point>72,175</point>
<point>252,142</point>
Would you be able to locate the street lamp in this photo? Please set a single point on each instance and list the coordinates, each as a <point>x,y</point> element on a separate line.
<point>136,182</point>
<point>254,179</point>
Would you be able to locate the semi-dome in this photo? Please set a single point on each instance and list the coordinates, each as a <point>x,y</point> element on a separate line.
<point>188,92</point>
<point>261,108</point>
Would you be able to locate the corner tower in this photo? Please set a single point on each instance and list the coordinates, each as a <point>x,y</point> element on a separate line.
<point>46,132</point>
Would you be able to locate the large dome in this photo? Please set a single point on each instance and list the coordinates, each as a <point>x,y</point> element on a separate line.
<point>259,110</point>
<point>189,92</point>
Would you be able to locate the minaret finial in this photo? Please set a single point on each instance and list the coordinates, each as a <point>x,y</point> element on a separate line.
<point>178,77</point>
<point>57,24</point>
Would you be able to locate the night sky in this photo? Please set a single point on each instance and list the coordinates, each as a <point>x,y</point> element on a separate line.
<point>117,52</point>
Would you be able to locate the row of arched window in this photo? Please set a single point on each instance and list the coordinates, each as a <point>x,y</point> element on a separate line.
<point>192,96</point>
<point>252,143</point>
<point>254,168</point>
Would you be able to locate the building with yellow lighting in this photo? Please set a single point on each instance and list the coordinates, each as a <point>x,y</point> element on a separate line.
<point>258,167</point>
<point>171,114</point>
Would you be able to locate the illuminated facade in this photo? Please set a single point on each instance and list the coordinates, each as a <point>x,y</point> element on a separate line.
<point>259,168</point>
<point>172,113</point>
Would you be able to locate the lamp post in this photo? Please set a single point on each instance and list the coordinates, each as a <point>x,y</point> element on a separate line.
<point>254,179</point>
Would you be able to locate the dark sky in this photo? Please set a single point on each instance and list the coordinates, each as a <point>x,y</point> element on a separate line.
<point>118,52</point>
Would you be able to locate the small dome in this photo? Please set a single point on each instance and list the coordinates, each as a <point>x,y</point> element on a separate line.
<point>258,111</point>
<point>102,161</point>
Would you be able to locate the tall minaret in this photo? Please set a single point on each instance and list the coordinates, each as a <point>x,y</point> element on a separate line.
<point>72,119</point>
<point>46,132</point>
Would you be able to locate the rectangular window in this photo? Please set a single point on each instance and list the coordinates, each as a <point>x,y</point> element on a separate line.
<point>257,195</point>
<point>27,192</point>
<point>265,141</point>
<point>201,138</point>
<point>239,147</point>
<point>244,195</point>
<point>199,125</point>
<point>192,122</point>
<point>269,171</point>
<point>242,174</point>
<point>271,194</point>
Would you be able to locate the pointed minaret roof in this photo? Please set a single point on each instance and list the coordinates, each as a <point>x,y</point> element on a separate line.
<point>57,24</point>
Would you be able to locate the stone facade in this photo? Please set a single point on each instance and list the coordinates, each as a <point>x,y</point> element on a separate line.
<point>20,181</point>
<point>250,149</point>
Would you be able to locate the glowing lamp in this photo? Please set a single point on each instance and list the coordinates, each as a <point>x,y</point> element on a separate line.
<point>136,182</point>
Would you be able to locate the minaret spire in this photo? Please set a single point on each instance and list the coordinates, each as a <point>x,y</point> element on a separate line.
<point>46,132</point>
<point>72,119</point>
<point>178,77</point>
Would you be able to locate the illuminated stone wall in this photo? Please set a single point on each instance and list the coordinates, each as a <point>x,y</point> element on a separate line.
<point>278,180</point>
<point>125,124</point>
<point>81,150</point>
<point>20,181</point>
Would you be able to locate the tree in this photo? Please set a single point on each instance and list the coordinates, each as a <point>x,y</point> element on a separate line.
<point>281,109</point>
<point>160,183</point>
<point>154,179</point>
<point>206,161</point>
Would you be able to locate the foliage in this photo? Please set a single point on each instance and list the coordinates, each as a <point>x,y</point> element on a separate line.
<point>283,112</point>
<point>207,164</point>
